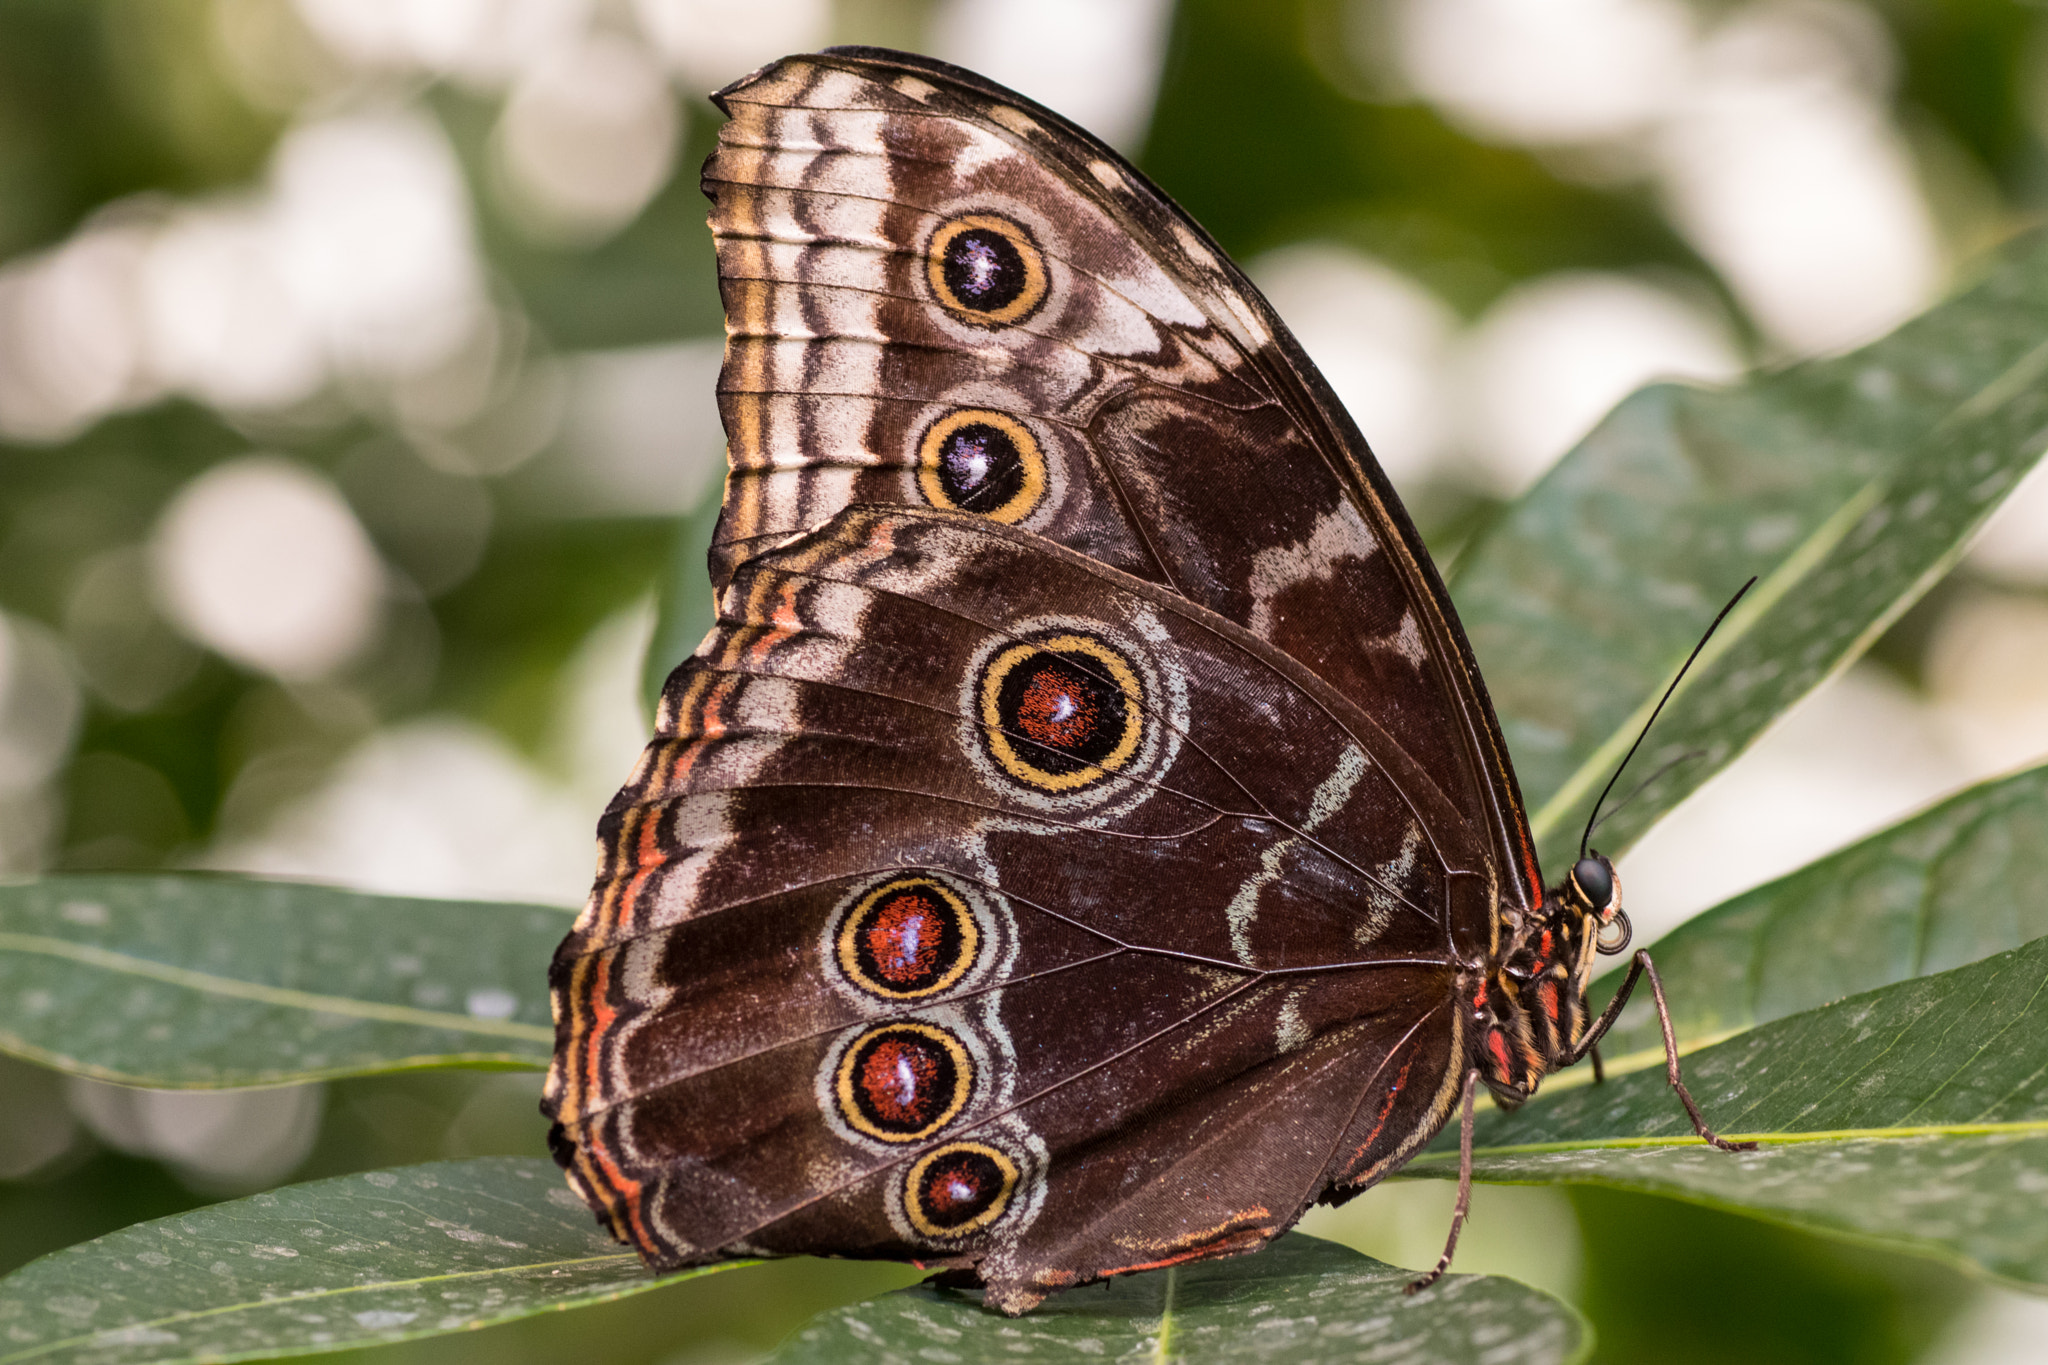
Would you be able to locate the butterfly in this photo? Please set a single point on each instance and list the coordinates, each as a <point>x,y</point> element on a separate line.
<point>1084,840</point>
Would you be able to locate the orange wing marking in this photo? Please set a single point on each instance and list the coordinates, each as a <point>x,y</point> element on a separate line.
<point>1386,1110</point>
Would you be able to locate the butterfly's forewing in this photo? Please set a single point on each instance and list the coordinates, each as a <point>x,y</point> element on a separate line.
<point>940,294</point>
<point>960,847</point>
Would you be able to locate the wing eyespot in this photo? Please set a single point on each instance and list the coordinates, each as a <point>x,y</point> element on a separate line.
<point>985,462</point>
<point>903,1082</point>
<point>959,1188</point>
<point>1062,713</point>
<point>986,269</point>
<point>907,939</point>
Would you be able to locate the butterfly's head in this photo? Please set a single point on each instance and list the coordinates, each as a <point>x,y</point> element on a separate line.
<point>1582,919</point>
<point>1594,892</point>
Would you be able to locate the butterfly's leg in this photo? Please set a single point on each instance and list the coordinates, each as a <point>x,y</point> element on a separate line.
<point>1699,1125</point>
<point>1443,1262</point>
<point>1607,1016</point>
<point>1599,1071</point>
<point>1638,966</point>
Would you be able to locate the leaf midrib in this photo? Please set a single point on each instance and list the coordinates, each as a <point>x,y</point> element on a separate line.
<point>1162,1352</point>
<point>282,996</point>
<point>2020,1128</point>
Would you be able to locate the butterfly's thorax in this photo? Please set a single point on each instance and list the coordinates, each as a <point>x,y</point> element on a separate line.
<point>1528,1010</point>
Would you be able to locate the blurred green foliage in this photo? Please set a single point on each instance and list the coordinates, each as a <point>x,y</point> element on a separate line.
<point>1254,139</point>
<point>1263,129</point>
<point>1679,1284</point>
<point>99,100</point>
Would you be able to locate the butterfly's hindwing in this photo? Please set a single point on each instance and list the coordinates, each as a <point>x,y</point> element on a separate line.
<point>1027,852</point>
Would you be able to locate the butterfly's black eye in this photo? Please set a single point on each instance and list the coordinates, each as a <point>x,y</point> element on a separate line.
<point>986,268</point>
<point>1593,879</point>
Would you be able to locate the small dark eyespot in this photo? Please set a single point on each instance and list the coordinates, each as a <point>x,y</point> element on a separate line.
<point>1593,879</point>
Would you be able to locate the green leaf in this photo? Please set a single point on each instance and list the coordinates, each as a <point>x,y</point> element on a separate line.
<point>1301,1299</point>
<point>324,1266</point>
<point>220,981</point>
<point>1915,1115</point>
<point>1848,485</point>
<point>1951,885</point>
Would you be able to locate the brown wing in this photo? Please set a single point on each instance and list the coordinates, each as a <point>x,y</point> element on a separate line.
<point>969,879</point>
<point>938,293</point>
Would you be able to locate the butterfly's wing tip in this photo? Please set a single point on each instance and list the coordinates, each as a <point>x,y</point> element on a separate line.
<point>724,92</point>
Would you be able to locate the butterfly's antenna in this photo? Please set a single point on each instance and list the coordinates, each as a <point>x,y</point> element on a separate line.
<point>1594,818</point>
<point>1639,788</point>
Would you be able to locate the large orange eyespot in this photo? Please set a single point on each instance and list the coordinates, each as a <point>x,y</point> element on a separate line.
<point>908,938</point>
<point>903,1082</point>
<point>986,269</point>
<point>1061,713</point>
